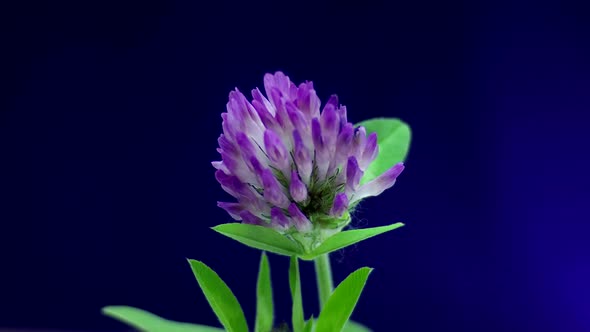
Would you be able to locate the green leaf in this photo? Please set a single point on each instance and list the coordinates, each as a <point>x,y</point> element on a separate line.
<point>347,238</point>
<point>352,326</point>
<point>148,322</point>
<point>260,237</point>
<point>342,302</point>
<point>297,314</point>
<point>220,297</point>
<point>393,138</point>
<point>309,325</point>
<point>264,305</point>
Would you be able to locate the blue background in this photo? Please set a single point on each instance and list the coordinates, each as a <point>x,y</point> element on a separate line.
<point>110,113</point>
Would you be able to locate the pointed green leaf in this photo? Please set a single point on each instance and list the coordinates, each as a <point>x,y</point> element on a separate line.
<point>264,305</point>
<point>259,237</point>
<point>339,307</point>
<point>309,325</point>
<point>148,322</point>
<point>347,238</point>
<point>393,138</point>
<point>352,326</point>
<point>220,297</point>
<point>295,284</point>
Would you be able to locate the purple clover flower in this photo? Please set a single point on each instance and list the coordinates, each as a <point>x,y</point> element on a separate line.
<point>293,167</point>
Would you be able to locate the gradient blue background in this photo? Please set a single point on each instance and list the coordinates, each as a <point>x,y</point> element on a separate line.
<point>110,113</point>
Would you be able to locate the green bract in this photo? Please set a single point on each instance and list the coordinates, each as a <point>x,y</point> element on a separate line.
<point>263,238</point>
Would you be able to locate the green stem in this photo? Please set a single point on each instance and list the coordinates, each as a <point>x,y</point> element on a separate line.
<point>323,273</point>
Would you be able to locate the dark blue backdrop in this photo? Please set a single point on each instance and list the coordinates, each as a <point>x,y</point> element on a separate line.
<point>109,120</point>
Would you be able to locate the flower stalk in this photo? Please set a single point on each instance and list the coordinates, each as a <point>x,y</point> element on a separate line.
<point>323,273</point>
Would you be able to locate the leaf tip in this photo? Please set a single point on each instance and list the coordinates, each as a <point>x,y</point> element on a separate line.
<point>196,265</point>
<point>106,310</point>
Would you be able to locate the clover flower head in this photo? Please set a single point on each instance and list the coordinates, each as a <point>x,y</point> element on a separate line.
<point>292,165</point>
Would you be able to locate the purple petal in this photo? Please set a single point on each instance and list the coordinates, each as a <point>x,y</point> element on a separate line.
<point>234,209</point>
<point>297,118</point>
<point>342,114</point>
<point>277,81</point>
<point>316,134</point>
<point>322,155</point>
<point>303,97</point>
<point>257,96</point>
<point>243,115</point>
<point>231,184</point>
<point>226,145</point>
<point>332,102</point>
<point>307,100</point>
<point>276,99</point>
<point>269,83</point>
<point>249,218</point>
<point>292,91</point>
<point>243,192</point>
<point>262,106</point>
<point>232,163</point>
<point>265,116</point>
<point>256,168</point>
<point>353,175</point>
<point>358,142</point>
<point>302,157</point>
<point>278,219</point>
<point>370,151</point>
<point>380,183</point>
<point>273,192</point>
<point>230,127</point>
<point>314,103</point>
<point>282,118</point>
<point>297,188</point>
<point>220,166</point>
<point>246,147</point>
<point>239,167</point>
<point>275,149</point>
<point>299,219</point>
<point>339,206</point>
<point>343,144</point>
<point>330,125</point>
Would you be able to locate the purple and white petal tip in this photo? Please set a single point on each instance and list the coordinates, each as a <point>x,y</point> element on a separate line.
<point>339,206</point>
